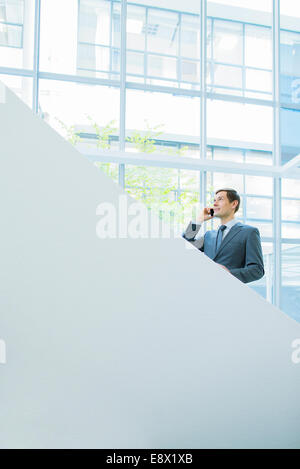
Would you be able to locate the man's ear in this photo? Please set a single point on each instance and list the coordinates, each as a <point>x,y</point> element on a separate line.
<point>235,202</point>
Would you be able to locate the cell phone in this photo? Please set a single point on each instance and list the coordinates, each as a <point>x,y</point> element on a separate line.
<point>212,212</point>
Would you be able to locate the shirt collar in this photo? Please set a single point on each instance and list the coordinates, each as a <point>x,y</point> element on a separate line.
<point>231,223</point>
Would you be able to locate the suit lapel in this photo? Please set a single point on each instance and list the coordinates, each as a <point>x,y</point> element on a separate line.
<point>234,231</point>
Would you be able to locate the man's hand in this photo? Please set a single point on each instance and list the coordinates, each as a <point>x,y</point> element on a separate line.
<point>204,216</point>
<point>223,267</point>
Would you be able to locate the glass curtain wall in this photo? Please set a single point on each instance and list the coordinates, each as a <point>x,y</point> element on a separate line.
<point>208,88</point>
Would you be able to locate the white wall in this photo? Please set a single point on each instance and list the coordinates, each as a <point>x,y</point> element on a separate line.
<point>124,343</point>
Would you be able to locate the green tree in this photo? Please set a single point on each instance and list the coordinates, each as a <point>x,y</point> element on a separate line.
<point>103,134</point>
<point>143,141</point>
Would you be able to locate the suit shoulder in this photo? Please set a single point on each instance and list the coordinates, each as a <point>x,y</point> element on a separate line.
<point>249,228</point>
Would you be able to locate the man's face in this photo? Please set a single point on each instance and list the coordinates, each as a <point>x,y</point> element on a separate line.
<point>222,206</point>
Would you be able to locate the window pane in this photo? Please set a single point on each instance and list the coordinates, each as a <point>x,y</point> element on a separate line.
<point>290,135</point>
<point>162,31</point>
<point>83,39</point>
<point>290,209</point>
<point>290,51</point>
<point>244,6</point>
<point>259,185</point>
<point>110,169</point>
<point>227,42</point>
<point>259,80</point>
<point>290,283</point>
<point>163,67</point>
<point>290,187</point>
<point>94,22</point>
<point>92,57</point>
<point>135,63</point>
<point>259,157</point>
<point>22,86</point>
<point>155,121</point>
<point>190,36</point>
<point>58,48</point>
<point>240,122</point>
<point>259,208</point>
<point>10,35</point>
<point>94,118</point>
<point>170,41</point>
<point>229,180</point>
<point>258,47</point>
<point>290,66</point>
<point>227,154</point>
<point>17,33</point>
<point>265,228</point>
<point>189,71</point>
<point>290,230</point>
<point>225,76</point>
<point>164,189</point>
<point>136,30</point>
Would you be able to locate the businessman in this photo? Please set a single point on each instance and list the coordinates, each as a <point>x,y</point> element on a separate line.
<point>234,246</point>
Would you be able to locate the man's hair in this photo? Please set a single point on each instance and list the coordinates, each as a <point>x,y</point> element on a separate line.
<point>231,196</point>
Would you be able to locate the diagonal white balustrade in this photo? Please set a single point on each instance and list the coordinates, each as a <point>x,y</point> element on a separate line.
<point>124,343</point>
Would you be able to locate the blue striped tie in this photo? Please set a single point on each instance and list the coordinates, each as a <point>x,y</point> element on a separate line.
<point>220,237</point>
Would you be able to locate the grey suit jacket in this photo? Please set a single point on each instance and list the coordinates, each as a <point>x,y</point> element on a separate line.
<point>240,250</point>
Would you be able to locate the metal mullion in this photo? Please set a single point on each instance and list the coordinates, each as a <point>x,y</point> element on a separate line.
<point>212,60</point>
<point>240,99</point>
<point>21,72</point>
<point>110,38</point>
<point>163,89</point>
<point>243,59</point>
<point>8,23</point>
<point>79,79</point>
<point>169,56</point>
<point>122,132</point>
<point>36,57</point>
<point>257,196</point>
<point>276,152</point>
<point>179,63</point>
<point>203,55</point>
<point>291,198</point>
<point>290,106</point>
<point>250,90</point>
<point>146,47</point>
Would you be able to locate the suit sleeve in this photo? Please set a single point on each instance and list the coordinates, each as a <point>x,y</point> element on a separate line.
<point>254,264</point>
<point>190,234</point>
